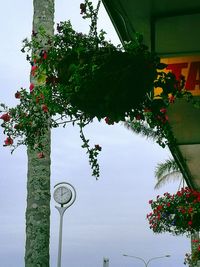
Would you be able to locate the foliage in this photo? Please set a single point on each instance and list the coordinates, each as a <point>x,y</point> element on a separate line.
<point>79,77</point>
<point>177,214</point>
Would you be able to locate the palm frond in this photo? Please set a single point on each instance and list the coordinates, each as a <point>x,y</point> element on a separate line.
<point>142,128</point>
<point>167,171</point>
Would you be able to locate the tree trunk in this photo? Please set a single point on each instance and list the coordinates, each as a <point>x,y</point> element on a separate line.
<point>38,183</point>
<point>195,236</point>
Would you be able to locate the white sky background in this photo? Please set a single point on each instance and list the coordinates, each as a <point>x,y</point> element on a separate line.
<point>109,215</point>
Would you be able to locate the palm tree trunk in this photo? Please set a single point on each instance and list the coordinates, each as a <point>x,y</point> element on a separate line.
<point>195,236</point>
<point>38,180</point>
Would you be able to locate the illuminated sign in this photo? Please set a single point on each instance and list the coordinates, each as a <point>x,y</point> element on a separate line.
<point>189,67</point>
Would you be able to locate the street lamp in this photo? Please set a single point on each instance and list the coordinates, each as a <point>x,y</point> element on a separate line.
<point>146,263</point>
<point>65,195</point>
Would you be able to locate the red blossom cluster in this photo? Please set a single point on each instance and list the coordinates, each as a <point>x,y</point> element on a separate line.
<point>5,117</point>
<point>8,141</point>
<point>177,213</point>
<point>20,121</point>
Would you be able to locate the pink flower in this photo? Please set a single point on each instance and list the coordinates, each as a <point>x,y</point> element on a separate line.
<point>6,117</point>
<point>8,141</point>
<point>31,87</point>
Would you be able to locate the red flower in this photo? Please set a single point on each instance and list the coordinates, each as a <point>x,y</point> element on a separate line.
<point>168,204</point>
<point>17,94</point>
<point>190,223</point>
<point>138,117</point>
<point>98,147</point>
<point>195,240</point>
<point>33,70</point>
<point>190,210</point>
<point>31,87</point>
<point>171,99</point>
<point>43,54</point>
<point>108,121</point>
<point>163,110</point>
<point>166,118</point>
<point>6,117</point>
<point>8,141</point>
<point>18,126</point>
<point>44,108</point>
<point>179,194</point>
<point>40,155</point>
<point>150,201</point>
<point>182,210</point>
<point>147,110</point>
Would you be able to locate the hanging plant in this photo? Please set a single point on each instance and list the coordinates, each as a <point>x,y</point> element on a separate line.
<point>177,214</point>
<point>79,77</point>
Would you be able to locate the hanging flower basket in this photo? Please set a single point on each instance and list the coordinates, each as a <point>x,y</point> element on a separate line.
<point>111,84</point>
<point>94,76</point>
<point>77,77</point>
<point>177,214</point>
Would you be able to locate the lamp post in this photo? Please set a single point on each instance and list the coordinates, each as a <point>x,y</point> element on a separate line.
<point>105,262</point>
<point>146,263</point>
<point>65,195</point>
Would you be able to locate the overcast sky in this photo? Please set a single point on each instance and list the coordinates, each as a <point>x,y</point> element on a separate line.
<point>108,218</point>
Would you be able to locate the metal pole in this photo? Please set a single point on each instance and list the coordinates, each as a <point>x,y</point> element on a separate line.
<point>146,263</point>
<point>61,211</point>
<point>155,258</point>
<point>105,262</point>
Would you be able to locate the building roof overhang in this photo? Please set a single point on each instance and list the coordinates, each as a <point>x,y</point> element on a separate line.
<point>171,29</point>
